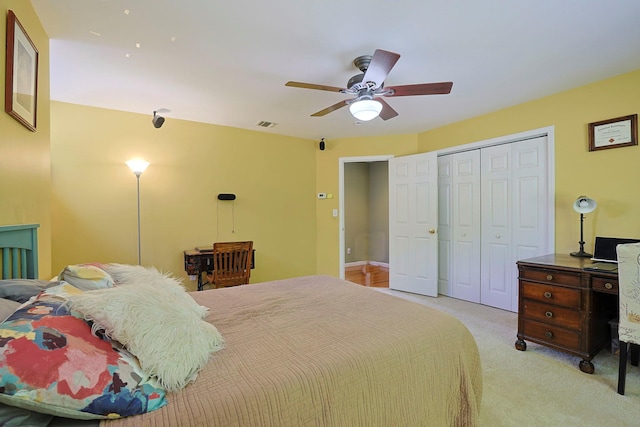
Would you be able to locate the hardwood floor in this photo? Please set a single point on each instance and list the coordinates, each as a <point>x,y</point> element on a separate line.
<point>368,275</point>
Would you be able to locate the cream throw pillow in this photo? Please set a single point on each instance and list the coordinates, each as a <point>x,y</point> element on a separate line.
<point>125,275</point>
<point>170,340</point>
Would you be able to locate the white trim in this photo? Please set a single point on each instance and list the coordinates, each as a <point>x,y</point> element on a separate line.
<point>506,139</point>
<point>355,264</point>
<point>341,162</point>
<point>363,263</point>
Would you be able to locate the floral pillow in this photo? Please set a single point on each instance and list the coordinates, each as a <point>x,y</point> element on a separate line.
<point>50,362</point>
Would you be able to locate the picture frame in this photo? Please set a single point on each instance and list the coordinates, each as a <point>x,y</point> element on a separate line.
<point>21,84</point>
<point>613,133</point>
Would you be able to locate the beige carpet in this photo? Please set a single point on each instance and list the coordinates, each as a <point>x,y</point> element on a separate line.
<point>539,386</point>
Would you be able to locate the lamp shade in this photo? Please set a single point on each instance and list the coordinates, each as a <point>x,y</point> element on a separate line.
<point>365,109</point>
<point>137,166</point>
<point>584,205</point>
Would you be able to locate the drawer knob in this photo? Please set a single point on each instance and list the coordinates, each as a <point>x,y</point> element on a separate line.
<point>608,285</point>
<point>547,295</point>
<point>548,334</point>
<point>549,314</point>
<point>549,277</point>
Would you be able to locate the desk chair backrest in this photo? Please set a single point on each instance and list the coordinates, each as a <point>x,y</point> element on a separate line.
<point>629,303</point>
<point>231,263</point>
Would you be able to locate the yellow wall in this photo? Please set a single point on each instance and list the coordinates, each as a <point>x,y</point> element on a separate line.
<point>607,176</point>
<point>24,155</point>
<point>327,176</point>
<point>95,199</point>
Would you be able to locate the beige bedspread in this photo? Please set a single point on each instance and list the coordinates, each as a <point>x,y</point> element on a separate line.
<point>319,351</point>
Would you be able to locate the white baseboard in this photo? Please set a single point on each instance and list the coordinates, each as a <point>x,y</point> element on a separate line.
<point>363,263</point>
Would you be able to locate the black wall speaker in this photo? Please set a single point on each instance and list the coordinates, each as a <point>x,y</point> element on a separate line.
<point>321,145</point>
<point>226,196</point>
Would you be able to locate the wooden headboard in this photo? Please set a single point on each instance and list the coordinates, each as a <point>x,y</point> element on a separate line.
<point>19,249</point>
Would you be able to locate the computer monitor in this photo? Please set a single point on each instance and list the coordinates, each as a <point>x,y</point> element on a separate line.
<point>605,248</point>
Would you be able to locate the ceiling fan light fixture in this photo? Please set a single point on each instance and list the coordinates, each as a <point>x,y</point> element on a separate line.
<point>365,109</point>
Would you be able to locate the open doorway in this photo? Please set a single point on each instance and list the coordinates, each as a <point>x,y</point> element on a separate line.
<point>364,220</point>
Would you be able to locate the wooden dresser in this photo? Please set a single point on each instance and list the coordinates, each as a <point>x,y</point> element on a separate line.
<point>564,306</point>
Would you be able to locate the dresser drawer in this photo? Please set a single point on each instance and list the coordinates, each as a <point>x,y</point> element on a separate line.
<point>551,334</point>
<point>549,294</point>
<point>553,277</point>
<point>553,315</point>
<point>602,284</point>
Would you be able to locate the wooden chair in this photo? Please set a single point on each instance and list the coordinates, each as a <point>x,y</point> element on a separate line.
<point>629,302</point>
<point>231,263</point>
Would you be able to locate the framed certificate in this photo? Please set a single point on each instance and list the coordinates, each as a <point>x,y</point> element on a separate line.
<point>613,133</point>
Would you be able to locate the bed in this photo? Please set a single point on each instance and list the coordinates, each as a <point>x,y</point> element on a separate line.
<point>318,350</point>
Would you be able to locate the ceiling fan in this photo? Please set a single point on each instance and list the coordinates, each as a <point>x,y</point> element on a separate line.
<point>369,88</point>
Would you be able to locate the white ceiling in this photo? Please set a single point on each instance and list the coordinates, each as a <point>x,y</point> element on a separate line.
<point>227,62</point>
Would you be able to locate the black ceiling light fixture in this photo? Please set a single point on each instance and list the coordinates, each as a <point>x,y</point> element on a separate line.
<point>157,120</point>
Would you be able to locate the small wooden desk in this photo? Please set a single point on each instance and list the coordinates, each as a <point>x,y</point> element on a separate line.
<point>200,260</point>
<point>566,306</point>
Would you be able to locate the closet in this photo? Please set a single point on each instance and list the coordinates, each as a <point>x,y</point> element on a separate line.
<point>493,209</point>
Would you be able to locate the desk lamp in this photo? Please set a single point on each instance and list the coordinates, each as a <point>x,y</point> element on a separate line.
<point>583,205</point>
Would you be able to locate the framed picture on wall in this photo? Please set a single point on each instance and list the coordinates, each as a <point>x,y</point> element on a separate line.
<point>613,133</point>
<point>21,85</point>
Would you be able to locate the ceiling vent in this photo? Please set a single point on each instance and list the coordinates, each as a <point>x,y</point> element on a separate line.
<point>264,124</point>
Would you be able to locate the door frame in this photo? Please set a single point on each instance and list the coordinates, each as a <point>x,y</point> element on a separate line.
<point>342,161</point>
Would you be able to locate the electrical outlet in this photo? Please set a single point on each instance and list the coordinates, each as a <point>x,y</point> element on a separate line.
<point>348,251</point>
<point>322,195</point>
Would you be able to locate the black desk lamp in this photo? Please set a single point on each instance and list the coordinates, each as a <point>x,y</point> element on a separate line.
<point>583,205</point>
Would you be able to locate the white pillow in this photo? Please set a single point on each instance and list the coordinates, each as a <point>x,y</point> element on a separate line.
<point>171,342</point>
<point>125,275</point>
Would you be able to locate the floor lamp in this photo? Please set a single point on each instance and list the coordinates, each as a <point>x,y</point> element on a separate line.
<point>583,205</point>
<point>138,166</point>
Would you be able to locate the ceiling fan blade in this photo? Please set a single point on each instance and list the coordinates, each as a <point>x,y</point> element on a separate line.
<point>387,112</point>
<point>314,86</point>
<point>441,88</point>
<point>327,110</point>
<point>381,64</point>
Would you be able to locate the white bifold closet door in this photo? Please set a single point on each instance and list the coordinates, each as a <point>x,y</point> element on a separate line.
<point>493,210</point>
<point>459,225</point>
<point>514,211</point>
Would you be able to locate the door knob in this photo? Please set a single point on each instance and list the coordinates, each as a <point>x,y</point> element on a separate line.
<point>432,231</point>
